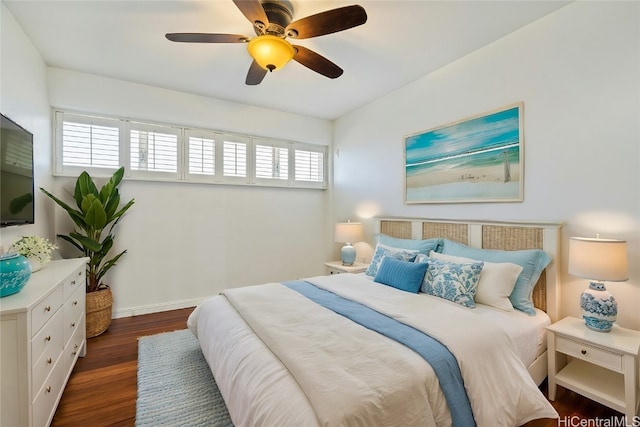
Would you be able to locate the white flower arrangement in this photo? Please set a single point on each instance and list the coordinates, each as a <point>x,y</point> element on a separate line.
<point>35,248</point>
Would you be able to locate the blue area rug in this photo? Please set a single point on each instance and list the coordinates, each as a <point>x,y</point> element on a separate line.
<point>175,384</point>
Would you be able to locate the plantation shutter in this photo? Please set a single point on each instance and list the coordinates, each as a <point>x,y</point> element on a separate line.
<point>153,150</point>
<point>89,141</point>
<point>166,152</point>
<point>202,153</point>
<point>271,162</point>
<point>234,157</point>
<point>309,165</point>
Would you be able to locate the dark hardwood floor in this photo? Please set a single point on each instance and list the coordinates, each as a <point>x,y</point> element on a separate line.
<point>102,388</point>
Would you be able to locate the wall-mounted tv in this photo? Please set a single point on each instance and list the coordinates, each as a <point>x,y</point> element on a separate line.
<point>16,174</point>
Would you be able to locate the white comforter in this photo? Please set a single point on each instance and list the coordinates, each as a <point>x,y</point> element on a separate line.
<point>312,367</point>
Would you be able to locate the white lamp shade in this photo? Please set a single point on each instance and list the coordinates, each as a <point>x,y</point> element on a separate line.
<point>348,232</point>
<point>598,259</point>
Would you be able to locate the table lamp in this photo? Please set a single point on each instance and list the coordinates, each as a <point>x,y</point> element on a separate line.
<point>348,233</point>
<point>598,260</point>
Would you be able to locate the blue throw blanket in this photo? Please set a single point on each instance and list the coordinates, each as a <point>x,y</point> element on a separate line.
<point>435,353</point>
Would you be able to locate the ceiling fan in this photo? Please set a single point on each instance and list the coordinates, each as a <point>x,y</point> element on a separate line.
<point>271,20</point>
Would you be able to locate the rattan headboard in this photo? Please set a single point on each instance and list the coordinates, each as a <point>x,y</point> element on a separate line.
<point>492,235</point>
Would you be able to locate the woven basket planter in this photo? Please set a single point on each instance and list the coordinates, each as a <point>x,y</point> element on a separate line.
<point>98,311</point>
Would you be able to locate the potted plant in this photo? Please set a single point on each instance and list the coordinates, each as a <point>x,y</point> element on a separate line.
<point>35,248</point>
<point>96,214</point>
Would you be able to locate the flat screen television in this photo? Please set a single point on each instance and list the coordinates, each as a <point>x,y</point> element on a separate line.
<point>16,174</point>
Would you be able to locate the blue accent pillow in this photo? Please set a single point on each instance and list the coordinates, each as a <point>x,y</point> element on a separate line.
<point>403,275</point>
<point>533,261</point>
<point>424,246</point>
<point>452,281</point>
<point>384,250</point>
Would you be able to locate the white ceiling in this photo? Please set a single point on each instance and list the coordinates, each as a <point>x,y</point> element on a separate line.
<point>401,42</point>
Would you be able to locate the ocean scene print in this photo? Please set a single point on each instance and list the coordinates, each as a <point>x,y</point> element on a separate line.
<point>473,160</point>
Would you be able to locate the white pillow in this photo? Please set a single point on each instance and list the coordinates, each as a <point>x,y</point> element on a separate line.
<point>496,283</point>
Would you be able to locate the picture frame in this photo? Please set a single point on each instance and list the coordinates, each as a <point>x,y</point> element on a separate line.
<point>477,159</point>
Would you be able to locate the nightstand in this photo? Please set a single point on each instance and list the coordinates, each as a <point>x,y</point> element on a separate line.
<point>602,366</point>
<point>336,267</point>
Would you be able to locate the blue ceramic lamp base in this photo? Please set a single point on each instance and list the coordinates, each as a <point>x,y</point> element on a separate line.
<point>599,307</point>
<point>348,254</point>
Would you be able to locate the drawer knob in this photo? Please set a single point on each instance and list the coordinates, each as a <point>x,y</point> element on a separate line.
<point>75,350</point>
<point>73,282</point>
<point>47,338</point>
<point>73,325</point>
<point>48,389</point>
<point>75,303</point>
<point>49,361</point>
<point>47,308</point>
<point>583,351</point>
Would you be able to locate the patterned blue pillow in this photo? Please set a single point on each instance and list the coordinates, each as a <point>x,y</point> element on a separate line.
<point>533,262</point>
<point>452,281</point>
<point>424,246</point>
<point>403,275</point>
<point>384,250</point>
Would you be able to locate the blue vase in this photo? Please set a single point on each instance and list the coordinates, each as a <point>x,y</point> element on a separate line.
<point>15,271</point>
<point>599,307</point>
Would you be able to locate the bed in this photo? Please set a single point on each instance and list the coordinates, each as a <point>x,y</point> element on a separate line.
<point>361,350</point>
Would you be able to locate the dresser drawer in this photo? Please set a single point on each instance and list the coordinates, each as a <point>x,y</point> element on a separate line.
<point>46,309</point>
<point>43,367</point>
<point>45,401</point>
<point>75,281</point>
<point>590,353</point>
<point>74,346</point>
<point>73,310</point>
<point>51,335</point>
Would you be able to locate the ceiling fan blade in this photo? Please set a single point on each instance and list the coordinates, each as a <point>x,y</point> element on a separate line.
<point>206,38</point>
<point>255,75</point>
<point>317,62</point>
<point>330,21</point>
<point>253,11</point>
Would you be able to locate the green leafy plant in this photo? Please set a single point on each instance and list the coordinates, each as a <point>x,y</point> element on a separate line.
<point>96,214</point>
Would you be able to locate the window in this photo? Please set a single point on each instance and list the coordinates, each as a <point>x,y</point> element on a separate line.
<point>309,165</point>
<point>202,155</point>
<point>235,159</point>
<point>155,151</point>
<point>271,162</point>
<point>88,142</point>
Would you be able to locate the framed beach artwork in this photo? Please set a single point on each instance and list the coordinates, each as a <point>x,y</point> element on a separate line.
<point>477,159</point>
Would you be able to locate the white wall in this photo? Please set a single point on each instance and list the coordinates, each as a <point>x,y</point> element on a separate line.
<point>188,241</point>
<point>578,73</point>
<point>23,98</point>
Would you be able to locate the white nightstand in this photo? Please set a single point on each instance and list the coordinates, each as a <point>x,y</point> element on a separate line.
<point>602,366</point>
<point>336,267</point>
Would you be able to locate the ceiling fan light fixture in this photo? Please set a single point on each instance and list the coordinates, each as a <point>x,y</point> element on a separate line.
<point>270,52</point>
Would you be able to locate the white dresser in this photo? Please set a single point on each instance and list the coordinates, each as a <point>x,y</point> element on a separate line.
<point>41,336</point>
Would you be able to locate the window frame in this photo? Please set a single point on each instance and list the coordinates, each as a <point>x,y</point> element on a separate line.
<point>322,149</point>
<point>274,182</point>
<point>183,134</point>
<point>132,126</point>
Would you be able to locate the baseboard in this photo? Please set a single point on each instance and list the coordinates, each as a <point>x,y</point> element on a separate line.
<point>157,308</point>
